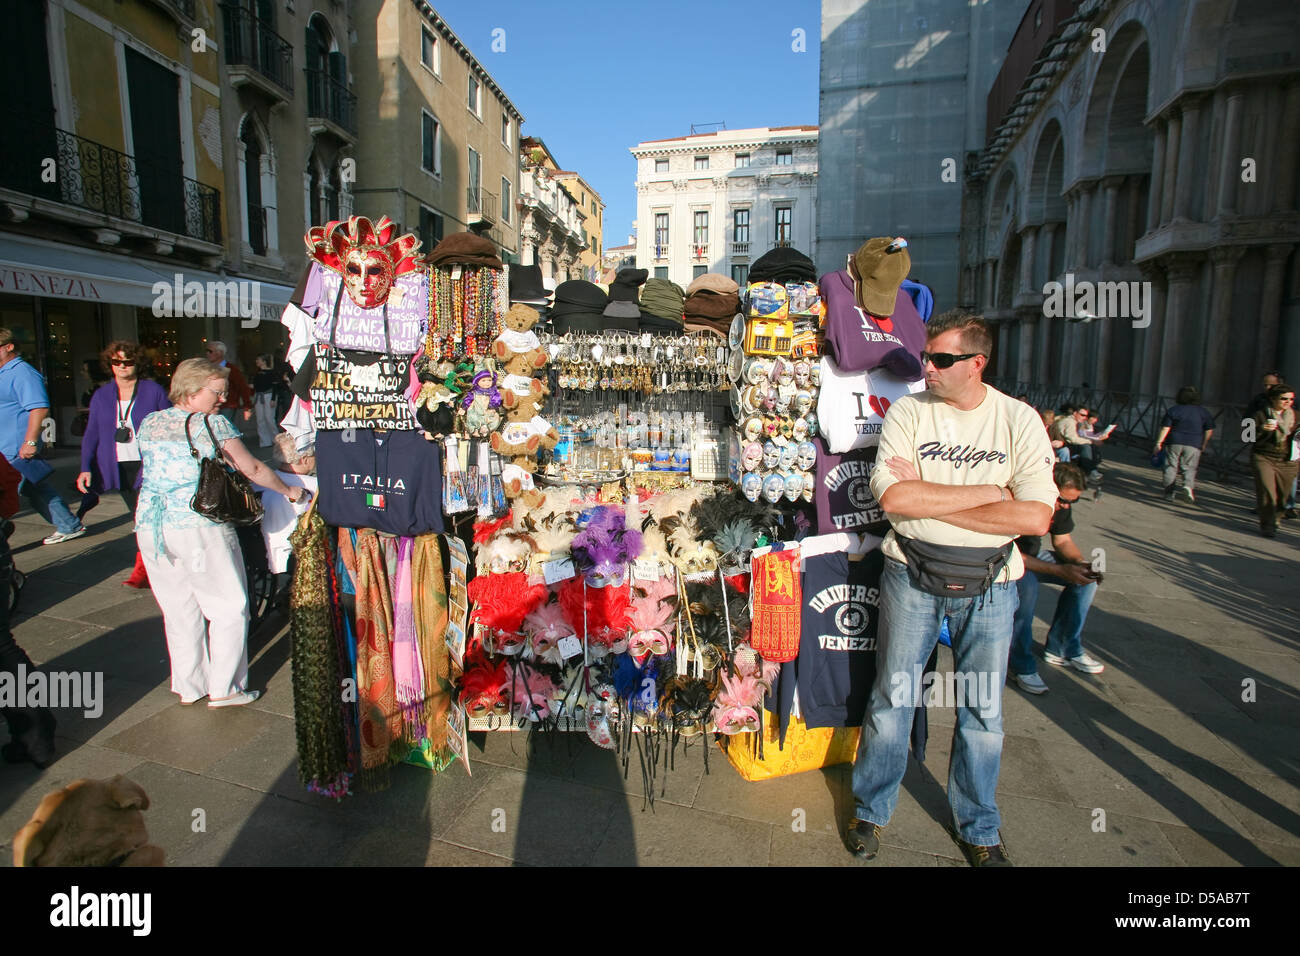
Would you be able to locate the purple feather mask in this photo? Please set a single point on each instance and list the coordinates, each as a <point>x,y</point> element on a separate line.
<point>603,549</point>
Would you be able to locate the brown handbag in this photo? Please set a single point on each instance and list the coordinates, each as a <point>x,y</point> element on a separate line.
<point>223,494</point>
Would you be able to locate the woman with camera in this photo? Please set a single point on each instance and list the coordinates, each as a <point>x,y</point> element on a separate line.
<point>1272,458</point>
<point>110,453</point>
<point>195,563</point>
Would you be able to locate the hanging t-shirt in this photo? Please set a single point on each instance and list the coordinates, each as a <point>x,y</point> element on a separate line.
<point>389,481</point>
<point>999,442</point>
<point>358,328</point>
<point>859,341</point>
<point>837,642</point>
<point>851,408</point>
<point>843,492</point>
<point>358,389</point>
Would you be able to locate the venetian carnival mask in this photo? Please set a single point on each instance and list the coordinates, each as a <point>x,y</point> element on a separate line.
<point>771,455</point>
<point>751,456</point>
<point>793,486</point>
<point>788,455</point>
<point>803,402</point>
<point>751,486</point>
<point>806,456</point>
<point>811,421</point>
<point>802,374</point>
<point>367,255</point>
<point>773,488</point>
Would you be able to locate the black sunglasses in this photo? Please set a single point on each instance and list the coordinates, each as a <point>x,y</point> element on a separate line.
<point>1066,502</point>
<point>946,359</point>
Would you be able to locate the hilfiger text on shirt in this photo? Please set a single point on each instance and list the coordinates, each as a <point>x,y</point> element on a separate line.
<point>959,455</point>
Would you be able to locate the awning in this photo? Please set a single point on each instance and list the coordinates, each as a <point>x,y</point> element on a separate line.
<point>30,266</point>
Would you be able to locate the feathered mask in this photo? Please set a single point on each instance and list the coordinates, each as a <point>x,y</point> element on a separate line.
<point>603,549</point>
<point>648,621</point>
<point>531,691</point>
<point>485,687</point>
<point>737,707</point>
<point>605,611</point>
<point>366,255</point>
<point>547,627</point>
<point>501,601</point>
<point>688,700</point>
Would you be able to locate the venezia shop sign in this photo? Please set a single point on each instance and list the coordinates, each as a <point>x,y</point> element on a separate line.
<point>47,283</point>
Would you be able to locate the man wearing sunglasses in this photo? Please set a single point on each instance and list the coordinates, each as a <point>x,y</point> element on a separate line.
<point>967,470</point>
<point>1062,564</point>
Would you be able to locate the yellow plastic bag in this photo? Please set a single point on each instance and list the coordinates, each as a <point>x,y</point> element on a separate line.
<point>804,749</point>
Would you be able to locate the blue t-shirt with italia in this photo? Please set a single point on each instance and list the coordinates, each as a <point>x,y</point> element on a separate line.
<point>22,389</point>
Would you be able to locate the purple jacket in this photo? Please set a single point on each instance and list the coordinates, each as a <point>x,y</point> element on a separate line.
<point>98,447</point>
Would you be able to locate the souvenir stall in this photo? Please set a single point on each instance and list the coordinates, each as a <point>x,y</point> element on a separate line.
<point>640,515</point>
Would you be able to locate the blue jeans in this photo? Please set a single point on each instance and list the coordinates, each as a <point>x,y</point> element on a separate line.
<point>1065,637</point>
<point>910,620</point>
<point>47,503</point>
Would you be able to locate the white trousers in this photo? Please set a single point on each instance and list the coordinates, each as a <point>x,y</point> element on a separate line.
<point>264,413</point>
<point>201,577</point>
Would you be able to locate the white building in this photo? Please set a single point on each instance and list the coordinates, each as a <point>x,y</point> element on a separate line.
<point>715,202</point>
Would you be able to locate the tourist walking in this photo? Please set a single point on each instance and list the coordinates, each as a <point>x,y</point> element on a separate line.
<point>239,396</point>
<point>110,449</point>
<point>1185,433</point>
<point>1271,459</point>
<point>194,563</point>
<point>264,393</point>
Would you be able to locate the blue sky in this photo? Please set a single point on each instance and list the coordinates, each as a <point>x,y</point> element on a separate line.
<point>594,78</point>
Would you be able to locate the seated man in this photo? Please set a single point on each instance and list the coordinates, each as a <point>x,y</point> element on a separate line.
<point>1067,428</point>
<point>1062,564</point>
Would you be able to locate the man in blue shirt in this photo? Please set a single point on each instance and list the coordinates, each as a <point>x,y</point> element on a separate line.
<point>24,406</point>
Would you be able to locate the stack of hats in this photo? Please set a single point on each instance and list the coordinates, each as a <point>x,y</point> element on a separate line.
<point>623,313</point>
<point>579,307</point>
<point>712,301</point>
<point>661,306</point>
<point>783,264</point>
<point>464,249</point>
<point>526,286</point>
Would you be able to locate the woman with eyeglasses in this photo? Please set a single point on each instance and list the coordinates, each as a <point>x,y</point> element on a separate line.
<point>110,452</point>
<point>195,564</point>
<point>1275,430</point>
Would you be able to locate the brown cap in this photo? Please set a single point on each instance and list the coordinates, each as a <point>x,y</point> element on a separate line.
<point>712,282</point>
<point>878,268</point>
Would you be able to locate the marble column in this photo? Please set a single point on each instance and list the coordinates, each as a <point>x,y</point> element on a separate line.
<point>1173,145</point>
<point>1110,186</point>
<point>1025,369</point>
<point>1182,269</point>
<point>1046,234</point>
<point>1230,165</point>
<point>1026,283</point>
<point>1081,258</point>
<point>1215,376</point>
<point>988,286</point>
<point>1071,228</point>
<point>1042,349</point>
<point>1187,159</point>
<point>1157,177</point>
<point>1003,347</point>
<point>1147,341</point>
<point>1270,307</point>
<point>1284,197</point>
<point>1131,228</point>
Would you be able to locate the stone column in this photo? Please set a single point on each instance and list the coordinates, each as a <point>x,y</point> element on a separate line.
<point>1026,283</point>
<point>1182,269</point>
<point>1173,145</point>
<point>1157,177</point>
<point>1081,257</point>
<point>989,291</point>
<point>1071,228</point>
<point>1270,307</point>
<point>1215,374</point>
<point>1230,165</point>
<point>1186,160</point>
<point>1003,331</point>
<point>1131,223</point>
<point>1284,197</point>
<point>1043,346</point>
<point>1147,341</point>
<point>1043,248</point>
<point>1025,371</point>
<point>1111,186</point>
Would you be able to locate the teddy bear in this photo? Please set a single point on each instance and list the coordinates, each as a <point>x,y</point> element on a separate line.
<point>518,352</point>
<point>89,823</point>
<point>524,433</point>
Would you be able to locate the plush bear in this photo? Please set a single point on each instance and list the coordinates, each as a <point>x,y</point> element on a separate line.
<point>89,823</point>
<point>520,438</point>
<point>517,349</point>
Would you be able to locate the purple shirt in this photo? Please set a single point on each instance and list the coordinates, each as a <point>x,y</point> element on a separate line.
<point>843,492</point>
<point>363,329</point>
<point>859,341</point>
<point>98,446</point>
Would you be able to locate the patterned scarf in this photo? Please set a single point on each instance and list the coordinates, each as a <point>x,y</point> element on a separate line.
<point>381,719</point>
<point>430,592</point>
<point>777,605</point>
<point>318,716</point>
<point>408,671</point>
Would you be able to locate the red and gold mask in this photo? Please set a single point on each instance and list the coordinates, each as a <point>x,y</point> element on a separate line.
<point>366,255</point>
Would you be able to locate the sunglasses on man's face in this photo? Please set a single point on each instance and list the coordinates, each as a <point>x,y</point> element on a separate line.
<point>945,359</point>
<point>1065,502</point>
<point>125,362</point>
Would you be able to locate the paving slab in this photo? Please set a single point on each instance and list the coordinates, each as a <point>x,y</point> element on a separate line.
<point>1204,848</point>
<point>190,738</point>
<point>1038,833</point>
<point>790,848</point>
<point>816,799</point>
<point>671,835</point>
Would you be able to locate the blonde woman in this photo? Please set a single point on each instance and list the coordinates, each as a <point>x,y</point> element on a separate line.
<point>195,564</point>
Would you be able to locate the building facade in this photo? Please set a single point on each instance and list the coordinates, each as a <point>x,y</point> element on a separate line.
<point>552,230</point>
<point>715,202</point>
<point>438,138</point>
<point>1163,158</point>
<point>902,103</point>
<point>593,208</point>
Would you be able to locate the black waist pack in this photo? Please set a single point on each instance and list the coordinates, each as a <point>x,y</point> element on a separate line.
<point>948,570</point>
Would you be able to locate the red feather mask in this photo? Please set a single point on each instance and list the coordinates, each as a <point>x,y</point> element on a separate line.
<point>365,254</point>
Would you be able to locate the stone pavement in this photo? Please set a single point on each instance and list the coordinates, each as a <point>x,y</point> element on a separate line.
<point>1194,603</point>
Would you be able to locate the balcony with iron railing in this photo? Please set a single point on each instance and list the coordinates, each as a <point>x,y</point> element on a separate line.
<point>331,107</point>
<point>256,54</point>
<point>480,205</point>
<point>98,179</point>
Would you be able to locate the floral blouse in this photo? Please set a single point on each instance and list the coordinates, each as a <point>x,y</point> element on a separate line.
<point>171,473</point>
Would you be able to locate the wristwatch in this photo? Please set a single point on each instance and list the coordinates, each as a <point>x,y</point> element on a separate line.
<point>30,442</point>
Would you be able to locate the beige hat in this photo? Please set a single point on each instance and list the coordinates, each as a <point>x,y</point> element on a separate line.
<point>712,282</point>
<point>878,268</point>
